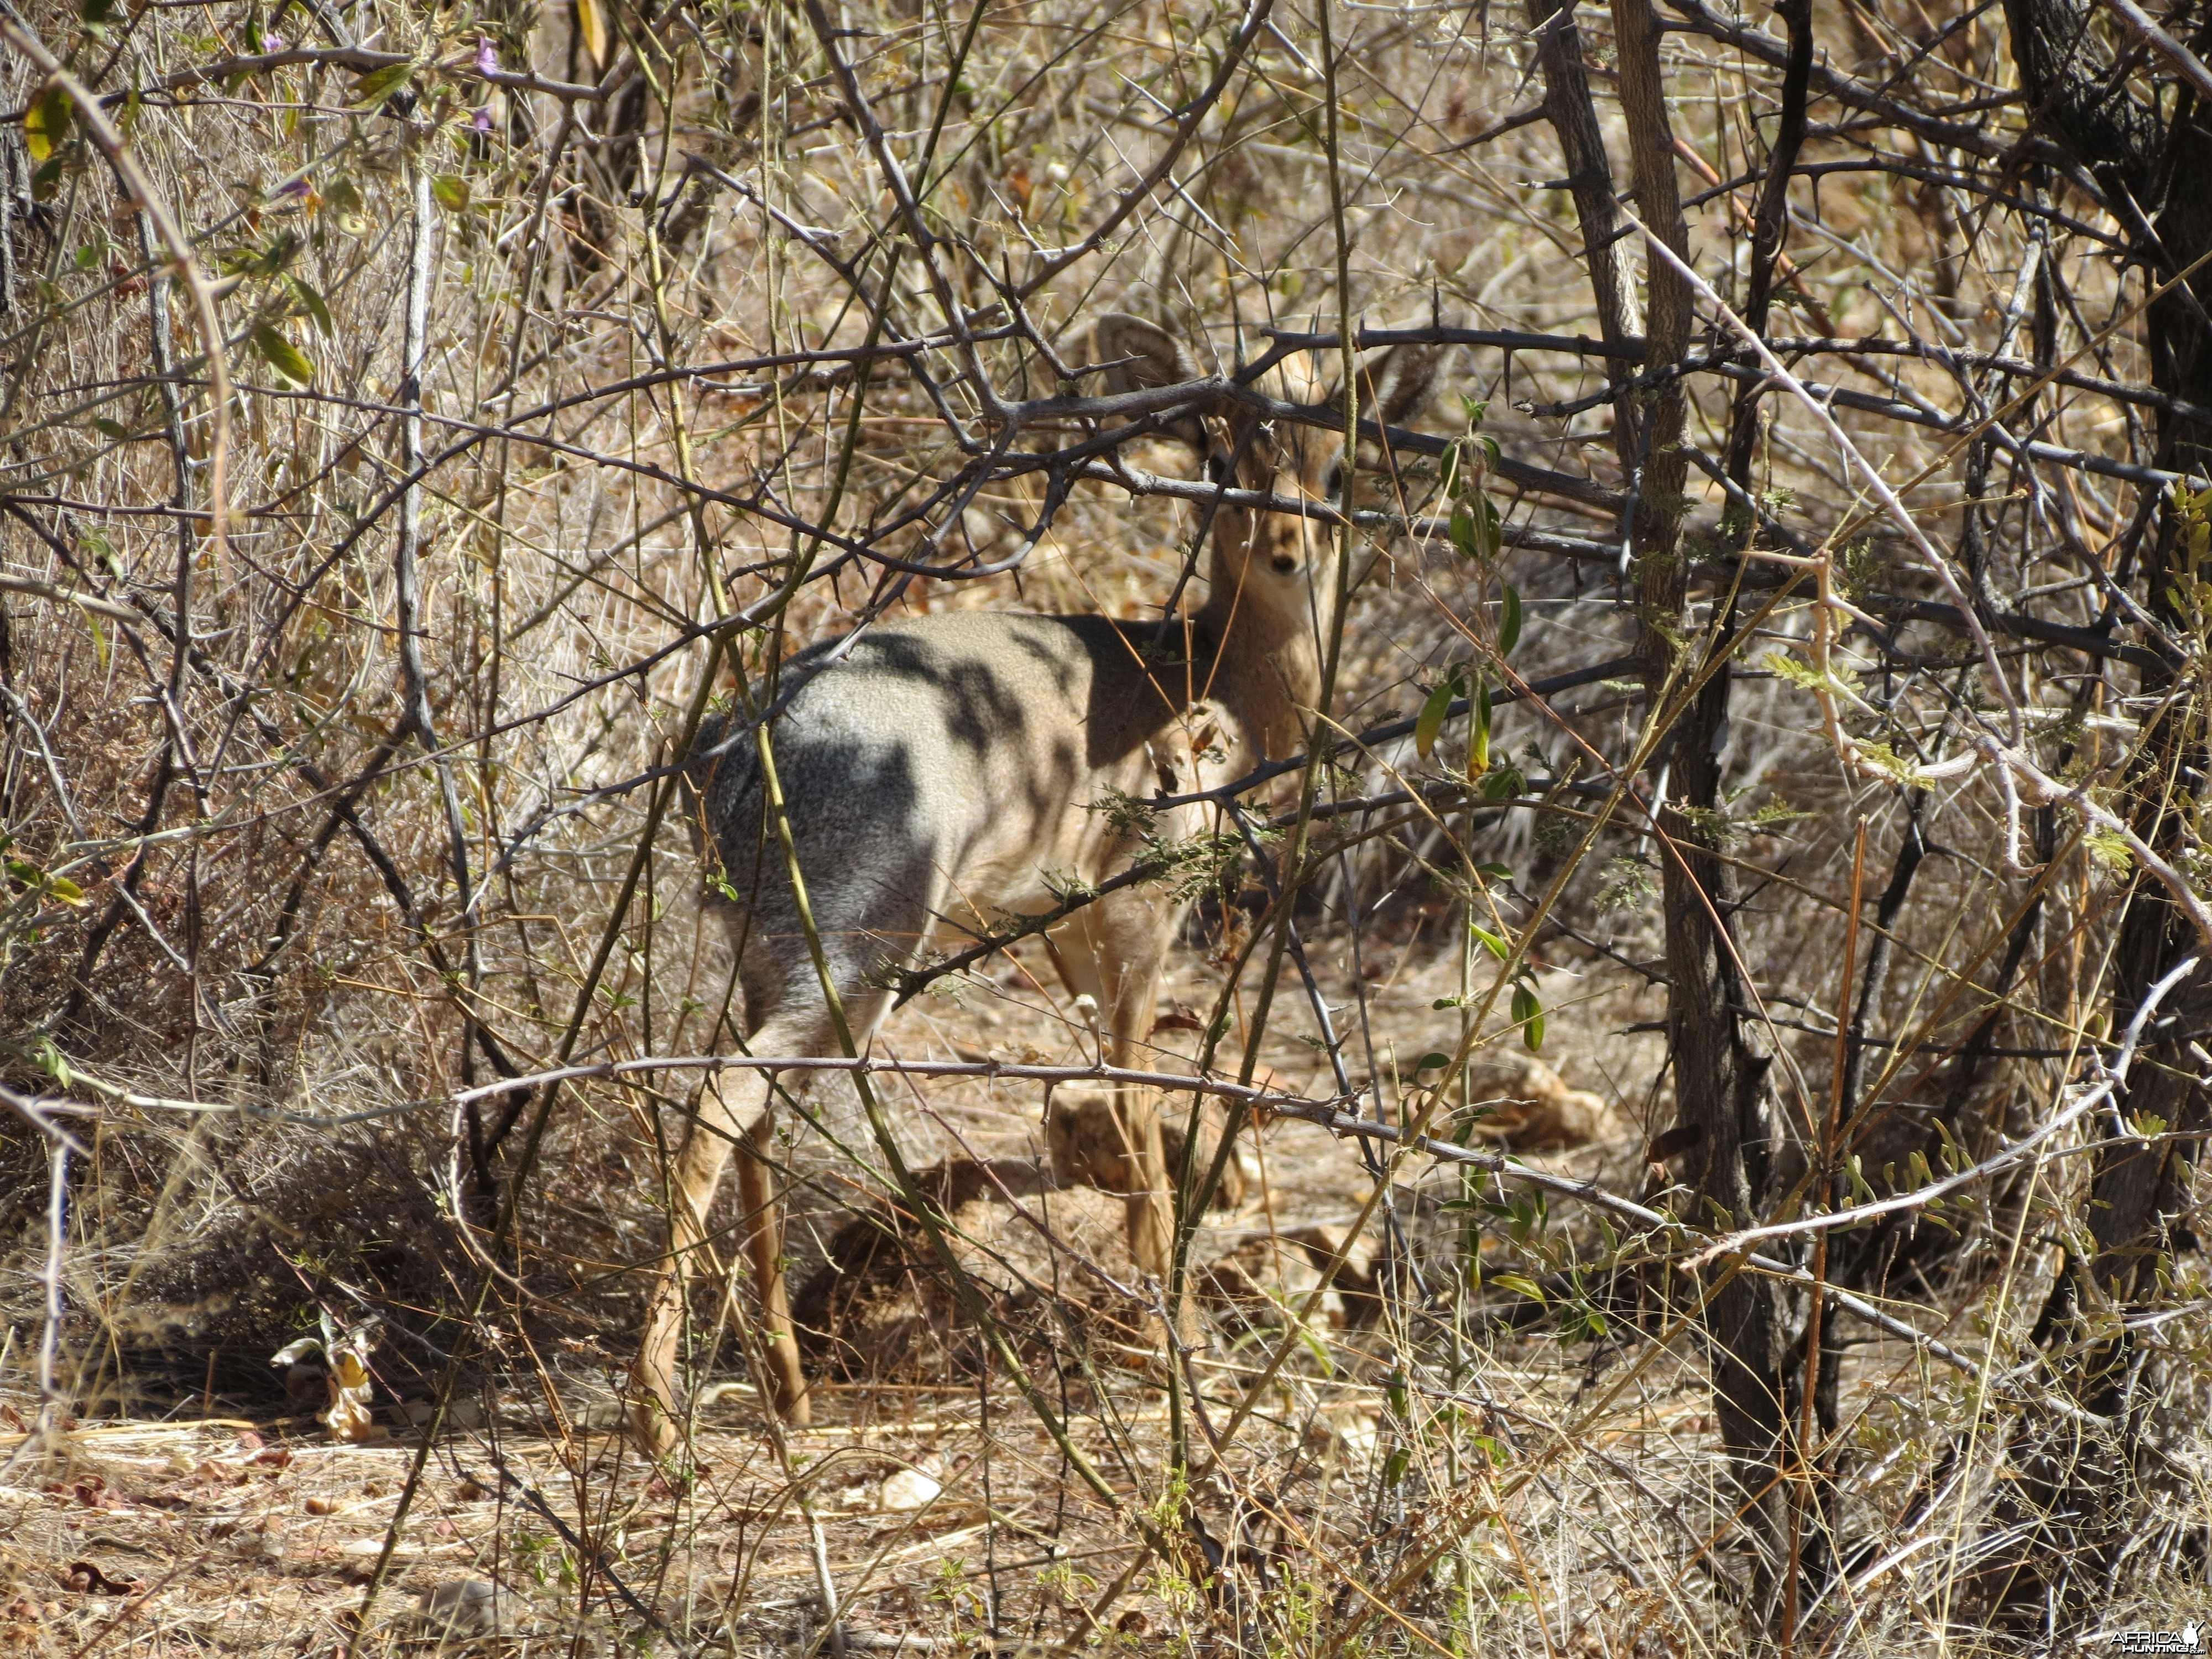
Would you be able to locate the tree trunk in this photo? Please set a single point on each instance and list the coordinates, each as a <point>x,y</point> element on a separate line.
<point>2138,1188</point>
<point>2140,1185</point>
<point>1573,120</point>
<point>1753,1327</point>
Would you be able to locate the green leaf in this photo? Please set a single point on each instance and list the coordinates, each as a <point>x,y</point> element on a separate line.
<point>452,191</point>
<point>1503,784</point>
<point>1520,1286</point>
<point>1489,941</point>
<point>98,13</point>
<point>1464,535</point>
<point>1432,1062</point>
<point>58,887</point>
<point>108,429</point>
<point>46,123</point>
<point>370,92</point>
<point>1529,1015</point>
<point>1430,720</point>
<point>284,356</point>
<point>1953,1155</point>
<point>268,259</point>
<point>1862,1193</point>
<point>313,304</point>
<point>1509,622</point>
<point>1317,1346</point>
<point>50,1059</point>
<point>1478,734</point>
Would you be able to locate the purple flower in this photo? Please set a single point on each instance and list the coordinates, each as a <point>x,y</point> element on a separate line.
<point>275,43</point>
<point>290,193</point>
<point>482,122</point>
<point>487,55</point>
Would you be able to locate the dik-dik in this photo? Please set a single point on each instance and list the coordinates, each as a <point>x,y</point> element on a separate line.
<point>936,771</point>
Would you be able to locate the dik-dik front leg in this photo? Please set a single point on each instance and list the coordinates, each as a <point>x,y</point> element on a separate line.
<point>735,1108</point>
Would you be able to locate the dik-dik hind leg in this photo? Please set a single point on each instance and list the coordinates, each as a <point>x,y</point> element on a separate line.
<point>1113,951</point>
<point>735,1107</point>
<point>763,1231</point>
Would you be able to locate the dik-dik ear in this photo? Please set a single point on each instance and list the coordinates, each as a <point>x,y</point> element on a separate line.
<point>1401,381</point>
<point>1140,355</point>
<point>1395,388</point>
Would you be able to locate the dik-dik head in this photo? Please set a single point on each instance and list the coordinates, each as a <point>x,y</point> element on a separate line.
<point>1279,565</point>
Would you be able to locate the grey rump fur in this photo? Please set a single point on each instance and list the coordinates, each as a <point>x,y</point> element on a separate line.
<point>937,770</point>
<point>900,764</point>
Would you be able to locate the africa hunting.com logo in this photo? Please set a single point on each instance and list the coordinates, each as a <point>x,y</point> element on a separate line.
<point>2191,1637</point>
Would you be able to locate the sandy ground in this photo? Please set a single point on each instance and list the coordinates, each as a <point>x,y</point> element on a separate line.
<point>929,1503</point>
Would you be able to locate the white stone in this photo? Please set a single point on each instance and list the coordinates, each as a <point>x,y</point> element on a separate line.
<point>910,1489</point>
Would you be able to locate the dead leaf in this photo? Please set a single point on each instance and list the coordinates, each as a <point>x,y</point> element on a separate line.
<point>85,1578</point>
<point>591,24</point>
<point>349,1417</point>
<point>347,1385</point>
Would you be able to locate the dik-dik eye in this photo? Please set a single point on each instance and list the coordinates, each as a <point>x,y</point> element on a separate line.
<point>1217,469</point>
<point>1332,483</point>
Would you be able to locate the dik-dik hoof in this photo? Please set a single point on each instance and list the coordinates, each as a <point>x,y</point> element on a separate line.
<point>788,1393</point>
